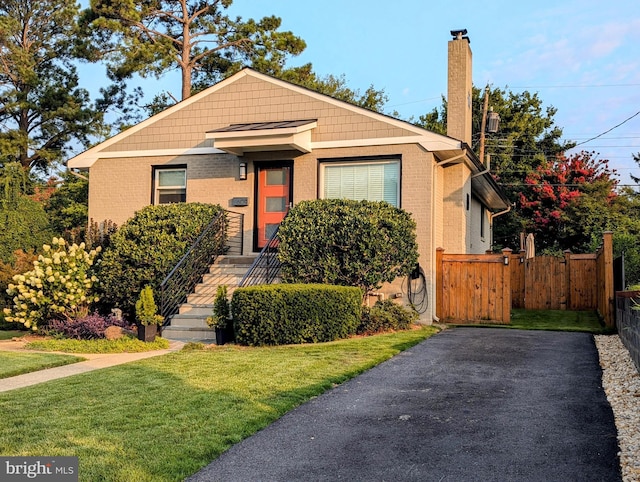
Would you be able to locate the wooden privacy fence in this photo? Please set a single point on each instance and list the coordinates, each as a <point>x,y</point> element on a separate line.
<point>486,287</point>
<point>551,283</point>
<point>473,287</point>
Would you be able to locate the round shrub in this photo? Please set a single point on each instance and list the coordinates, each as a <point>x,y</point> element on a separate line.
<point>386,316</point>
<point>145,249</point>
<point>348,243</point>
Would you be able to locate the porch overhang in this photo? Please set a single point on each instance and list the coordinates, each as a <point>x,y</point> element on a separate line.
<point>264,136</point>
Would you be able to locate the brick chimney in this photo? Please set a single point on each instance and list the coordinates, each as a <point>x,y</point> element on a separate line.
<point>459,89</point>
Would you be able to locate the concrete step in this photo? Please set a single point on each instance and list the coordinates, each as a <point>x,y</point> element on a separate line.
<point>199,310</point>
<point>205,335</point>
<point>228,279</point>
<point>228,269</point>
<point>212,288</point>
<point>240,260</point>
<point>191,320</point>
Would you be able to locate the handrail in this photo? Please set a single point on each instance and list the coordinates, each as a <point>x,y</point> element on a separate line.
<point>266,267</point>
<point>223,235</point>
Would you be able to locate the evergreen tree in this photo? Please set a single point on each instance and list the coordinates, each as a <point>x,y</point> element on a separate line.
<point>43,110</point>
<point>197,37</point>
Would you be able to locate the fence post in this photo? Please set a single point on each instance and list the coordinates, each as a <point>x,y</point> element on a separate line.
<point>567,282</point>
<point>506,285</point>
<point>439,282</point>
<point>609,290</point>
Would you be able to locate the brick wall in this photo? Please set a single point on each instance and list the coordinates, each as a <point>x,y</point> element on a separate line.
<point>122,186</point>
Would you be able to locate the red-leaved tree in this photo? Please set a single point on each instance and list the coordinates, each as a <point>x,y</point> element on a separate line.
<point>565,202</point>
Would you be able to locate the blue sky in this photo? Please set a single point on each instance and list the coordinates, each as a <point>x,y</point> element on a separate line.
<point>581,56</point>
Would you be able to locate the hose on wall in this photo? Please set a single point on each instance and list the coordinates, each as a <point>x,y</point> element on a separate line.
<point>415,286</point>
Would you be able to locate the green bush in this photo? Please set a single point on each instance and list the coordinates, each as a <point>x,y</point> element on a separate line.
<point>288,314</point>
<point>146,248</point>
<point>60,286</point>
<point>386,316</point>
<point>146,308</point>
<point>22,226</point>
<point>220,317</point>
<point>348,243</point>
<point>629,244</point>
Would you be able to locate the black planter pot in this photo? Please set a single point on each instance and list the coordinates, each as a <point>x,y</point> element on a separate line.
<point>147,333</point>
<point>221,336</point>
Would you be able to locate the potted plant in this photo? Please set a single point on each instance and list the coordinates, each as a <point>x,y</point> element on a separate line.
<point>147,316</point>
<point>220,317</point>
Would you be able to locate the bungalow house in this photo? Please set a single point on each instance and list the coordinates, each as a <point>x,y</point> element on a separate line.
<point>256,145</point>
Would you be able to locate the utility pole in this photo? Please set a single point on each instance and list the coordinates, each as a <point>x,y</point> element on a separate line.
<point>483,125</point>
<point>494,122</point>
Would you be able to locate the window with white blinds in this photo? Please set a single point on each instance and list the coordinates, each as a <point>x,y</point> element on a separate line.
<point>170,185</point>
<point>371,181</point>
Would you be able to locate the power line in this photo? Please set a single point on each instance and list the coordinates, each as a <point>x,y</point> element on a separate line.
<point>607,131</point>
<point>570,86</point>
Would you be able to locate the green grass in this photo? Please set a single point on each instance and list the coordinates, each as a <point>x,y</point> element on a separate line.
<point>164,418</point>
<point>8,334</point>
<point>554,320</point>
<point>122,345</point>
<point>17,363</point>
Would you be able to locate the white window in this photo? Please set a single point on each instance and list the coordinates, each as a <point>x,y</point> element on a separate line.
<point>170,185</point>
<point>370,181</point>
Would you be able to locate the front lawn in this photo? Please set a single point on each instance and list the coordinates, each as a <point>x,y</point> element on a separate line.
<point>554,320</point>
<point>16,363</point>
<point>166,417</point>
<point>126,344</point>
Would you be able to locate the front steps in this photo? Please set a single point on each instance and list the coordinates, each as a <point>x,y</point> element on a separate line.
<point>190,323</point>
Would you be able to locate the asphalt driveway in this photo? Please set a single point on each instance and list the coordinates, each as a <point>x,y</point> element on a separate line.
<point>466,404</point>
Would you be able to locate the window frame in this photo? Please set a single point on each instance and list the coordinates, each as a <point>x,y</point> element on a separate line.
<point>351,161</point>
<point>155,180</point>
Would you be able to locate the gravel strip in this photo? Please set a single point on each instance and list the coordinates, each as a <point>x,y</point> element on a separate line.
<point>621,383</point>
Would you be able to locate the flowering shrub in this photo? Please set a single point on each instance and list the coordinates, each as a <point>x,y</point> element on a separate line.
<point>87,327</point>
<point>59,286</point>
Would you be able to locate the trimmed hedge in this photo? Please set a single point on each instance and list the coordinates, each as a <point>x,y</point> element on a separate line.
<point>285,314</point>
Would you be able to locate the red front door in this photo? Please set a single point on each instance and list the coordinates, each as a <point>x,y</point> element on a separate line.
<point>274,197</point>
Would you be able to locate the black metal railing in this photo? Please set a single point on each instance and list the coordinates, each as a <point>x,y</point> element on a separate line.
<point>222,236</point>
<point>266,268</point>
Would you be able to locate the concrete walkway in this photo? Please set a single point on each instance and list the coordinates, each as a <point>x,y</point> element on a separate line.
<point>93,362</point>
<point>467,404</point>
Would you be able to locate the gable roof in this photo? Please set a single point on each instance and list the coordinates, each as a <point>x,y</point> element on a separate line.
<point>297,135</point>
<point>429,140</point>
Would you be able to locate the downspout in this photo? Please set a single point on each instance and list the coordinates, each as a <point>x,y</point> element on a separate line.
<point>491,216</point>
<point>434,172</point>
